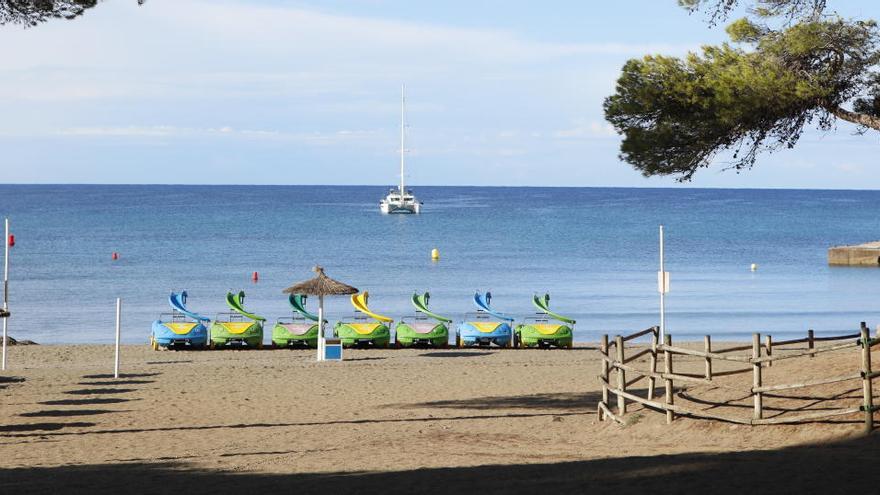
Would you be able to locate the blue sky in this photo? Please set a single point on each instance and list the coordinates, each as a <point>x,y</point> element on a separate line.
<point>306,92</point>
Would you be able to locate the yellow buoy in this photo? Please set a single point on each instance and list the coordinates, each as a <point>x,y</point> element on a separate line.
<point>754,267</point>
<point>435,254</point>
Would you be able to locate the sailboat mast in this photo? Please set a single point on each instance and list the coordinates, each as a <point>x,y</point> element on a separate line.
<point>402,135</point>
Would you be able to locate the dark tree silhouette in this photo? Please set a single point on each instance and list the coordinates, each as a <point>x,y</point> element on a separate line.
<point>790,63</point>
<point>29,13</point>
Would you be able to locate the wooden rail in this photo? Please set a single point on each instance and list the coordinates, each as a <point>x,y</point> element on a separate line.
<point>761,356</point>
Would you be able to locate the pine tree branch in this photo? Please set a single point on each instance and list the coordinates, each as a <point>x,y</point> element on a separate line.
<point>856,118</point>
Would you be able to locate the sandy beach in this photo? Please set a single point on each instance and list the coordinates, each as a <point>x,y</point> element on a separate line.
<point>387,421</point>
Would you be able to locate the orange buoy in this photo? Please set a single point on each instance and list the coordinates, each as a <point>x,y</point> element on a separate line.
<point>115,256</point>
<point>255,277</point>
<point>11,240</point>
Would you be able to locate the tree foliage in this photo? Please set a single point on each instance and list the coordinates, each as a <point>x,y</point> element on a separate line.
<point>756,93</point>
<point>29,13</point>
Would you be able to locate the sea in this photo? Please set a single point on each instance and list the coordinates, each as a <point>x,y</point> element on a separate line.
<point>594,250</point>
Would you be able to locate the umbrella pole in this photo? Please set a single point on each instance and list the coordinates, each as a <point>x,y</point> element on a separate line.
<point>320,328</point>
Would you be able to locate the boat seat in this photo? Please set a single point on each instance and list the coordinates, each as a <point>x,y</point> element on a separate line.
<point>485,326</point>
<point>236,327</point>
<point>364,328</point>
<point>423,327</point>
<point>180,328</point>
<point>546,328</point>
<point>298,328</point>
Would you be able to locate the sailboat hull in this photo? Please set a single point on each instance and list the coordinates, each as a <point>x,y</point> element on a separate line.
<point>399,209</point>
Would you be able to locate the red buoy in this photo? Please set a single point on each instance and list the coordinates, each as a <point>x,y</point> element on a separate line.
<point>115,256</point>
<point>255,277</point>
<point>11,240</point>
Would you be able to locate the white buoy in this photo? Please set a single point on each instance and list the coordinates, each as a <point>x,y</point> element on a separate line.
<point>754,267</point>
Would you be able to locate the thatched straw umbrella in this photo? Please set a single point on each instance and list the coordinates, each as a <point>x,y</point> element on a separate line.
<point>321,286</point>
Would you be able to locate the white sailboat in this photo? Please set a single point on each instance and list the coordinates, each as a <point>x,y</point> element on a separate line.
<point>400,200</point>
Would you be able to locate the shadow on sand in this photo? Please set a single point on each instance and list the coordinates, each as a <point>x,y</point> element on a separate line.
<point>5,381</point>
<point>43,427</point>
<point>121,375</point>
<point>845,466</point>
<point>63,413</point>
<point>456,354</point>
<point>84,402</point>
<point>117,382</point>
<point>100,391</point>
<point>581,402</point>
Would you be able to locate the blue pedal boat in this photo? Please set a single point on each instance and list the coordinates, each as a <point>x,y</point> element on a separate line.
<point>180,329</point>
<point>480,329</point>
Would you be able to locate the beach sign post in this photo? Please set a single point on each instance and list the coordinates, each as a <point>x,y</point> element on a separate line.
<point>662,287</point>
<point>118,328</point>
<point>5,311</point>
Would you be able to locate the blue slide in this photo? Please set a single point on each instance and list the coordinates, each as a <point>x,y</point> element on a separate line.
<point>181,329</point>
<point>479,330</point>
<point>178,303</point>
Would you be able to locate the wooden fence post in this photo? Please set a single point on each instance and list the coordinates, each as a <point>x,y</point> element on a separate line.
<point>756,375</point>
<point>667,367</point>
<point>867,388</point>
<point>707,344</point>
<point>655,336</point>
<point>621,376</point>
<point>603,349</point>
<point>811,343</point>
<point>769,347</point>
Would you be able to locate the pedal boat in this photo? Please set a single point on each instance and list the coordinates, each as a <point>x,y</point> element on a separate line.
<point>299,330</point>
<point>361,332</point>
<point>545,329</point>
<point>180,329</point>
<point>425,328</point>
<point>238,328</point>
<point>479,329</point>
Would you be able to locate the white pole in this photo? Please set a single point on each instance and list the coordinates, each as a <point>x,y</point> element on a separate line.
<point>118,317</point>
<point>402,135</point>
<point>5,288</point>
<point>320,328</point>
<point>662,287</point>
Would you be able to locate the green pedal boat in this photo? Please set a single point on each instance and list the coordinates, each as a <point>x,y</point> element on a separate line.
<point>546,328</point>
<point>299,330</point>
<point>425,328</point>
<point>361,332</point>
<point>238,328</point>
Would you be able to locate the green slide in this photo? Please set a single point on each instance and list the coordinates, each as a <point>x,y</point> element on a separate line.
<point>426,328</point>
<point>238,328</point>
<point>541,331</point>
<point>299,330</point>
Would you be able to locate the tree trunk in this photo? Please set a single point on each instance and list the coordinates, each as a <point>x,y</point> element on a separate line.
<point>856,118</point>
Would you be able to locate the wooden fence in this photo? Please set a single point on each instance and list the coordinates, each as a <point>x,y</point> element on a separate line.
<point>753,359</point>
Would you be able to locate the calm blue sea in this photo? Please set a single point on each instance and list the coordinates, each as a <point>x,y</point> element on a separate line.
<point>593,249</point>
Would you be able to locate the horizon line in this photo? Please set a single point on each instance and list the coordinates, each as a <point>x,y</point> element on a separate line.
<point>167,184</point>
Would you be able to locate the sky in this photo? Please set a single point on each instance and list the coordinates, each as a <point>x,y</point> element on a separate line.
<point>499,93</point>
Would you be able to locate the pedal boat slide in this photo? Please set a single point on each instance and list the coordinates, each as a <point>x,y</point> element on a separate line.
<point>182,328</point>
<point>299,330</point>
<point>425,328</point>
<point>363,333</point>
<point>480,330</point>
<point>238,328</point>
<point>540,331</point>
